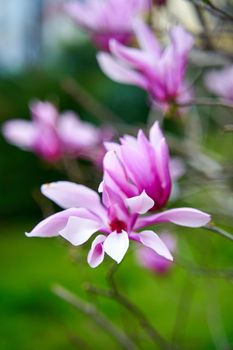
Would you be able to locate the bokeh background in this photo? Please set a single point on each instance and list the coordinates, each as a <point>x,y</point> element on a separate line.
<point>40,51</point>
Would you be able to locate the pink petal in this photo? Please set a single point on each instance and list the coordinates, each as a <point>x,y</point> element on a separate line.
<point>182,40</point>
<point>115,175</point>
<point>131,56</point>
<point>44,113</point>
<point>81,13</point>
<point>76,134</point>
<point>177,168</point>
<point>156,134</point>
<point>182,216</point>
<point>151,240</point>
<point>96,253</point>
<point>140,204</point>
<point>51,226</point>
<point>117,72</point>
<point>146,38</point>
<point>162,156</point>
<point>78,230</point>
<point>111,146</point>
<point>116,245</point>
<point>20,133</point>
<point>69,194</point>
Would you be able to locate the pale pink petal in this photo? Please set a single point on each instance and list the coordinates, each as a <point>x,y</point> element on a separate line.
<point>140,204</point>
<point>117,72</point>
<point>116,245</point>
<point>20,133</point>
<point>77,134</point>
<point>111,146</point>
<point>177,168</point>
<point>81,13</point>
<point>78,230</point>
<point>155,135</point>
<point>51,226</point>
<point>44,113</point>
<point>131,56</point>
<point>151,240</point>
<point>96,253</point>
<point>162,157</point>
<point>182,41</point>
<point>146,38</point>
<point>182,216</point>
<point>115,176</point>
<point>69,194</point>
<point>221,82</point>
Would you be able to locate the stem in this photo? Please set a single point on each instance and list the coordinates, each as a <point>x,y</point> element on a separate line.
<point>219,231</point>
<point>134,310</point>
<point>91,311</point>
<point>89,103</point>
<point>207,102</point>
<point>204,271</point>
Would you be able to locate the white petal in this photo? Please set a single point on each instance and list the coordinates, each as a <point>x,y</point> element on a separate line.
<point>151,239</point>
<point>140,204</point>
<point>116,245</point>
<point>68,194</point>
<point>79,230</point>
<point>96,253</point>
<point>101,187</point>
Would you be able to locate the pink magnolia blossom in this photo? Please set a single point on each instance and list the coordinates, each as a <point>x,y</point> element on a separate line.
<point>159,71</point>
<point>139,164</point>
<point>118,221</point>
<point>221,82</point>
<point>127,195</point>
<point>106,19</point>
<point>51,136</point>
<point>153,261</point>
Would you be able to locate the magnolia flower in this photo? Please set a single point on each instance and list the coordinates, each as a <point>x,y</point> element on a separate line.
<point>51,136</point>
<point>106,19</point>
<point>153,261</point>
<point>159,71</point>
<point>221,82</point>
<point>139,164</point>
<point>117,220</point>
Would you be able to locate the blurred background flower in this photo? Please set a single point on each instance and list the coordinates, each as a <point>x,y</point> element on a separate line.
<point>154,262</point>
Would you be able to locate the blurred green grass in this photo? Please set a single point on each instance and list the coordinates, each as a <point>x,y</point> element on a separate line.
<point>32,317</point>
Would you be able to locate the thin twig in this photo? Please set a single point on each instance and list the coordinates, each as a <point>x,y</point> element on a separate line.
<point>208,6</point>
<point>204,271</point>
<point>132,308</point>
<point>88,102</point>
<point>202,20</point>
<point>219,231</point>
<point>91,310</point>
<point>207,102</point>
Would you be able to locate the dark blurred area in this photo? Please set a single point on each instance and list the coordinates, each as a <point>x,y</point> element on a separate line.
<point>37,69</point>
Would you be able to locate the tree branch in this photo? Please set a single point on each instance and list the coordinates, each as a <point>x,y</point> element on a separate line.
<point>90,310</point>
<point>219,231</point>
<point>134,310</point>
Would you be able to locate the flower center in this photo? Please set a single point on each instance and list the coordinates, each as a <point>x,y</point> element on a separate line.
<point>117,225</point>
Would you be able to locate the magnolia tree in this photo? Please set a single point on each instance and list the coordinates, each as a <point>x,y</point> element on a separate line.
<point>138,196</point>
